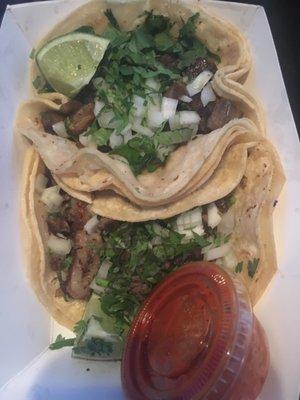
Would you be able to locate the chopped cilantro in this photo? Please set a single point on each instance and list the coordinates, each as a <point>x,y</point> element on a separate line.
<point>94,347</point>
<point>66,264</point>
<point>239,267</point>
<point>102,282</point>
<point>252,267</point>
<point>80,328</point>
<point>61,342</point>
<point>111,18</point>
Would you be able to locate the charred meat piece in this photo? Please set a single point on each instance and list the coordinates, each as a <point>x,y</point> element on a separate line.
<point>56,262</point>
<point>49,118</point>
<point>82,119</point>
<point>85,265</point>
<point>176,90</point>
<point>223,112</point>
<point>58,224</point>
<point>168,60</point>
<point>70,107</point>
<point>107,224</point>
<point>200,65</point>
<point>77,215</point>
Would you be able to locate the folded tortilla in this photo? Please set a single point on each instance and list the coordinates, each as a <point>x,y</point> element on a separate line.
<point>255,175</point>
<point>188,167</point>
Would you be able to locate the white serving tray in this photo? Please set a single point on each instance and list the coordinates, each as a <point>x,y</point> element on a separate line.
<point>28,370</point>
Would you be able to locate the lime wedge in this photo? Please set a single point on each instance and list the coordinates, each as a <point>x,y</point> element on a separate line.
<point>69,62</point>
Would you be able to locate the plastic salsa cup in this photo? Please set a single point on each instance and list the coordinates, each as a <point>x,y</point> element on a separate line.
<point>196,338</point>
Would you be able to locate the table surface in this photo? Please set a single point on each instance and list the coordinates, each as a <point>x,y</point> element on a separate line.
<point>284,21</point>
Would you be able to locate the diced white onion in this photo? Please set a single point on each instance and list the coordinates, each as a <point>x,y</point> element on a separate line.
<point>41,183</point>
<point>87,141</point>
<point>163,151</point>
<point>213,216</point>
<point>51,198</point>
<point>106,119</point>
<point>101,274</point>
<point>60,129</point>
<point>91,225</point>
<point>142,130</point>
<point>187,118</point>
<point>186,99</point>
<point>207,95</point>
<point>226,225</point>
<point>196,85</point>
<point>155,119</point>
<point>216,252</point>
<point>153,84</point>
<point>139,108</point>
<point>189,219</point>
<point>174,122</point>
<point>168,107</point>
<point>59,246</point>
<point>98,107</point>
<point>115,140</point>
<point>128,136</point>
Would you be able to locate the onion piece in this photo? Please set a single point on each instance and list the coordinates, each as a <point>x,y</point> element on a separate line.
<point>196,85</point>
<point>189,220</point>
<point>230,260</point>
<point>115,140</point>
<point>139,108</point>
<point>142,130</point>
<point>128,136</point>
<point>216,252</point>
<point>153,84</point>
<point>106,119</point>
<point>168,107</point>
<point>51,198</point>
<point>187,118</point>
<point>101,274</point>
<point>213,216</point>
<point>186,99</point>
<point>91,225</point>
<point>98,107</point>
<point>60,129</point>
<point>174,122</point>
<point>155,118</point>
<point>41,183</point>
<point>207,95</point>
<point>59,246</point>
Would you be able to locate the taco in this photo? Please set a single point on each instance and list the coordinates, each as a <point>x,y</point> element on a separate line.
<point>164,105</point>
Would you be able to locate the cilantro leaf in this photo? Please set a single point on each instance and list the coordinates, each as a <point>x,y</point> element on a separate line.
<point>252,267</point>
<point>187,31</point>
<point>239,267</point>
<point>168,138</point>
<point>157,23</point>
<point>61,342</point>
<point>94,347</point>
<point>66,264</point>
<point>111,18</point>
<point>80,327</point>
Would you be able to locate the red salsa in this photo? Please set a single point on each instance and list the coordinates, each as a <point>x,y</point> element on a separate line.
<point>196,338</point>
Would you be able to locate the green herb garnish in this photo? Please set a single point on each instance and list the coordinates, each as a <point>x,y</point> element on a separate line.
<point>61,342</point>
<point>252,267</point>
<point>239,267</point>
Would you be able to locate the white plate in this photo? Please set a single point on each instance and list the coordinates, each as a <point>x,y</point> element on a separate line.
<point>27,369</point>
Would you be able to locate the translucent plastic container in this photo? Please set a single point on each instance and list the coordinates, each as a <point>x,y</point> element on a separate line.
<point>196,338</point>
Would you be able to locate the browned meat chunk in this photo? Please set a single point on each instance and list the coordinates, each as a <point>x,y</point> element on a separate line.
<point>50,118</point>
<point>56,262</point>
<point>200,65</point>
<point>70,107</point>
<point>85,265</point>
<point>168,60</point>
<point>57,224</point>
<point>77,215</point>
<point>176,90</point>
<point>107,224</point>
<point>223,112</point>
<point>82,119</point>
